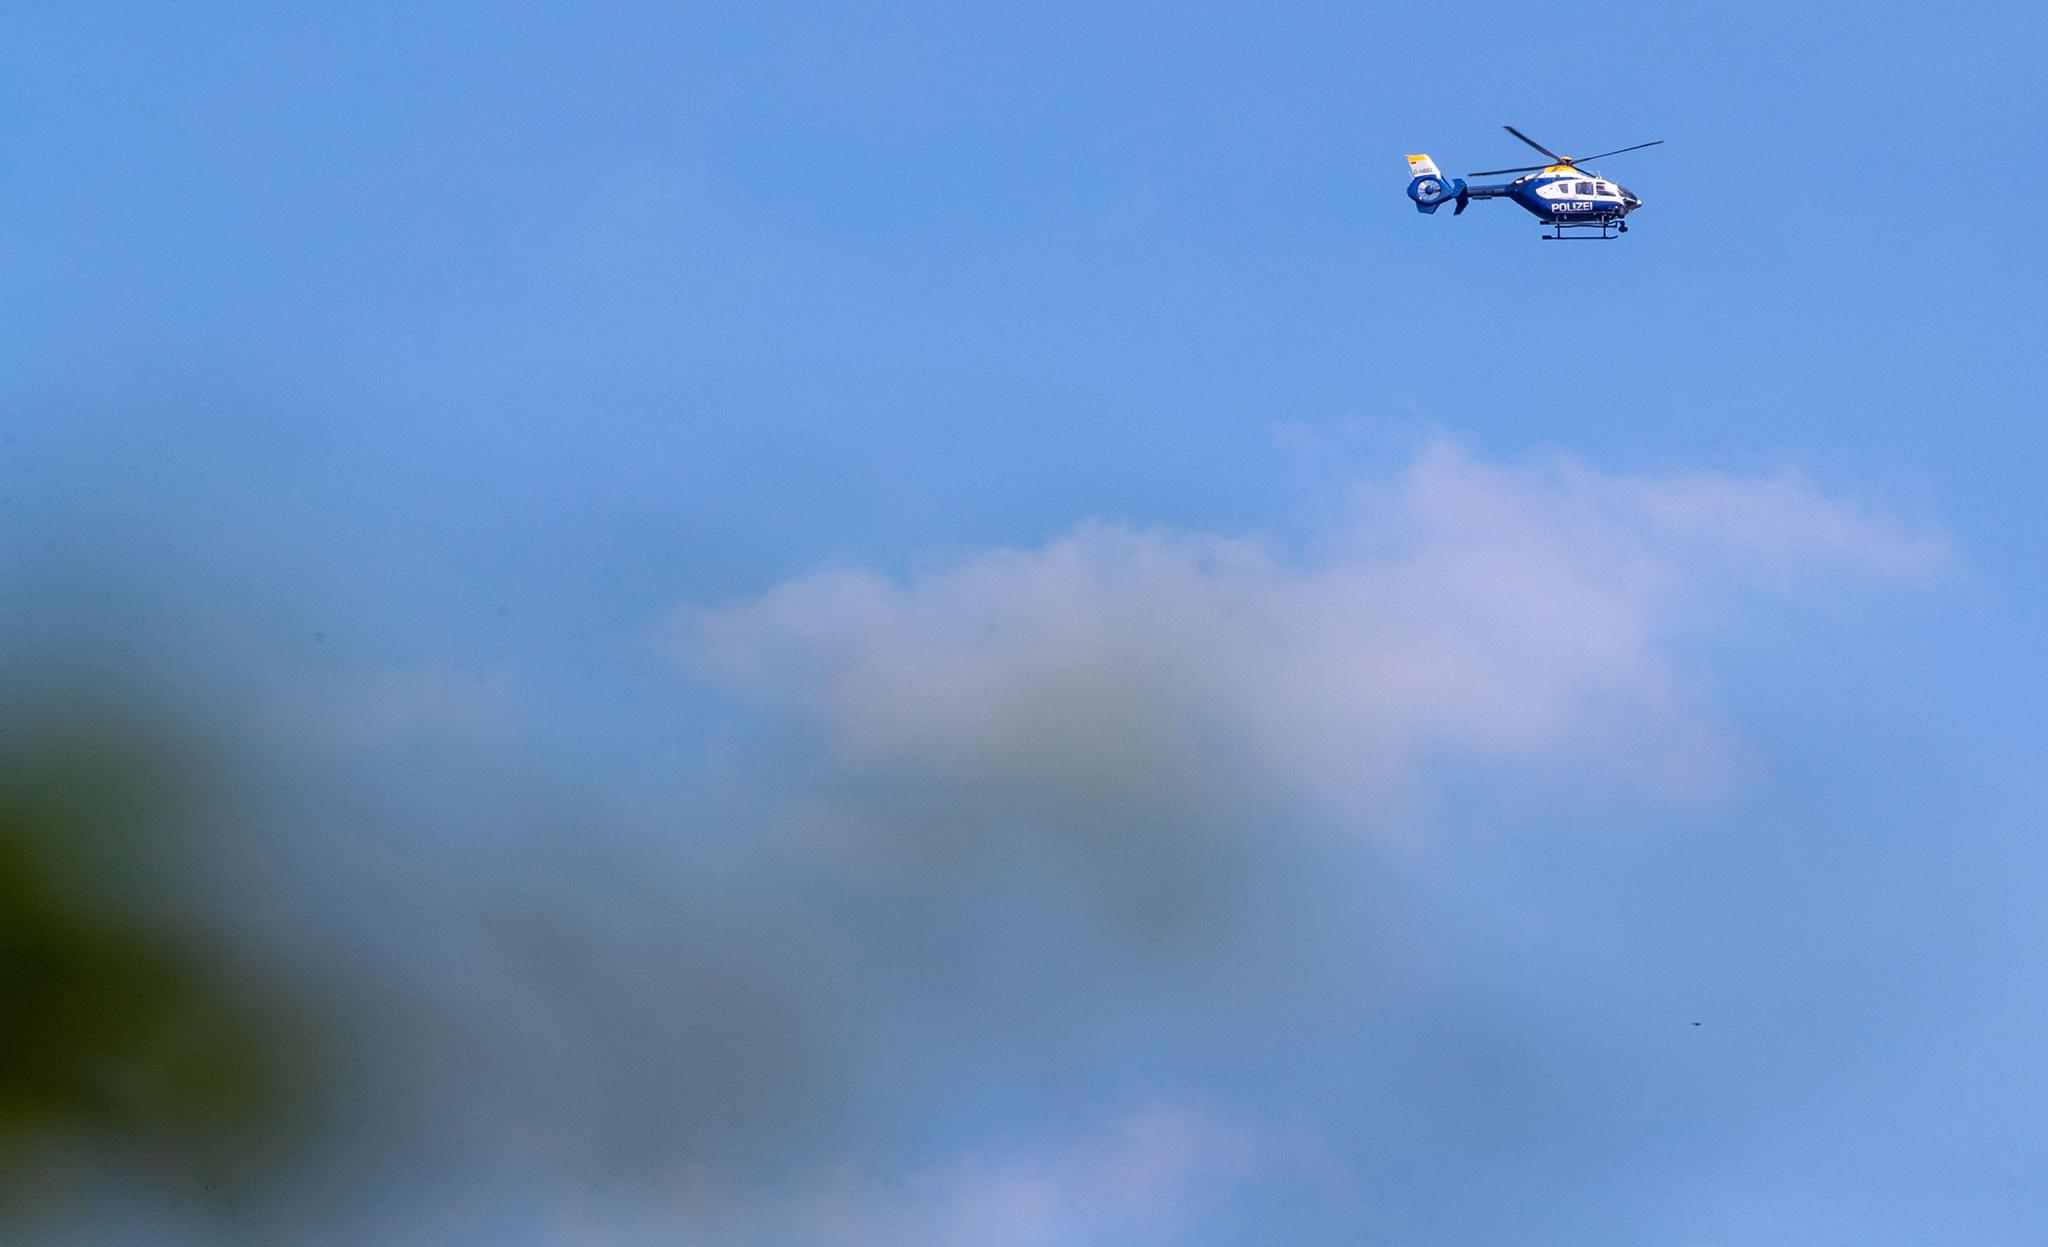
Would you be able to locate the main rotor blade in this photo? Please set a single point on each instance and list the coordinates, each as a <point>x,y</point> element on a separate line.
<point>1487,173</point>
<point>1554,157</point>
<point>1616,152</point>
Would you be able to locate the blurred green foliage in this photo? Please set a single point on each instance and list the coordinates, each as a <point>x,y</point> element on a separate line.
<point>125,1025</point>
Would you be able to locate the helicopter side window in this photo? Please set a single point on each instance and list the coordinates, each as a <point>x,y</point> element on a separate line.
<point>1585,188</point>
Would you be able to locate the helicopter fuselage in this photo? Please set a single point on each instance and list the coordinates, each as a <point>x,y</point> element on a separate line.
<point>1564,195</point>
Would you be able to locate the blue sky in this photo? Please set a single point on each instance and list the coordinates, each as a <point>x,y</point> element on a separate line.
<point>1429,670</point>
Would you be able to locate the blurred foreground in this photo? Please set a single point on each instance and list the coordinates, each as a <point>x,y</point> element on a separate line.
<point>134,1035</point>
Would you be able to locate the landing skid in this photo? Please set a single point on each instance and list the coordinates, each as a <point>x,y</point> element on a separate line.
<point>1608,228</point>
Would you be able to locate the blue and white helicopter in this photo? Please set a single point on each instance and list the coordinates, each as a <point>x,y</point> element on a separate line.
<point>1560,194</point>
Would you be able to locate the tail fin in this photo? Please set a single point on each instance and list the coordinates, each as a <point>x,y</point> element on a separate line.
<point>1429,188</point>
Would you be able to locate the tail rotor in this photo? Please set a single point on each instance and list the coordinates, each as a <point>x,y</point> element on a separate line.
<point>1430,189</point>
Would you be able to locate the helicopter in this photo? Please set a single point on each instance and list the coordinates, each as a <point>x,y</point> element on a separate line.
<point>1571,200</point>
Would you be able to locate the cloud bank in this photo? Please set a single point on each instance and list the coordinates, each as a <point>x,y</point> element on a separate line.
<point>1157,1175</point>
<point>1534,614</point>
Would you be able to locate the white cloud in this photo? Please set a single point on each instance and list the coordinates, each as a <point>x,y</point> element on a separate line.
<point>1525,614</point>
<point>1150,1177</point>
<point>1140,1180</point>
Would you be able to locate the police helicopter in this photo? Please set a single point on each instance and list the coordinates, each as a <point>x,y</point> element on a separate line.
<point>1571,200</point>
